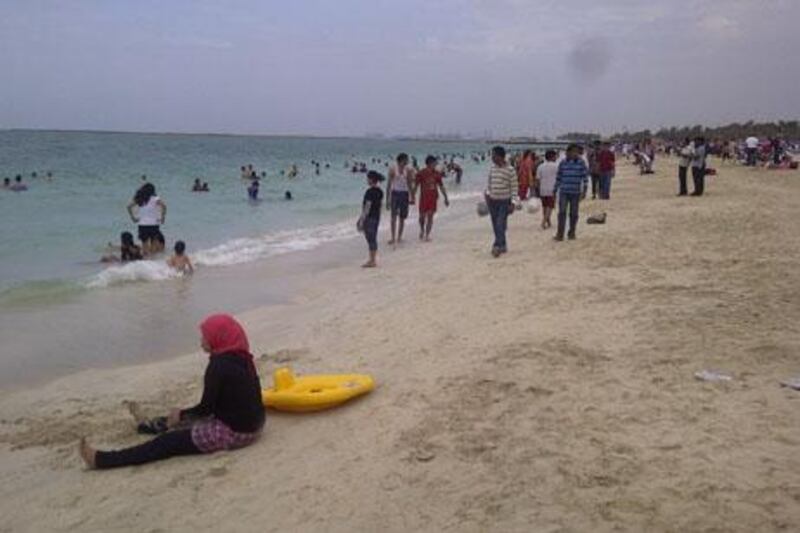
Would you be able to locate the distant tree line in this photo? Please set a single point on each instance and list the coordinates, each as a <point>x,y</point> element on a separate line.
<point>784,129</point>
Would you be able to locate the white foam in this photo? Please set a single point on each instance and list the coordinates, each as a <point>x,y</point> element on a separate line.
<point>133,271</point>
<point>244,250</point>
<point>467,195</point>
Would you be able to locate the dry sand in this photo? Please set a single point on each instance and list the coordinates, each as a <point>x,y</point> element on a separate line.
<point>549,390</point>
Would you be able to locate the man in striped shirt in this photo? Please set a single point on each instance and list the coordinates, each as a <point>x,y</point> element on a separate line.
<point>571,183</point>
<point>502,190</point>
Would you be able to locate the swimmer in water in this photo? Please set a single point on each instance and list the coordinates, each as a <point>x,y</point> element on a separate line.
<point>18,186</point>
<point>252,190</point>
<point>180,261</point>
<point>287,195</point>
<point>197,187</point>
<point>6,183</point>
<point>205,187</point>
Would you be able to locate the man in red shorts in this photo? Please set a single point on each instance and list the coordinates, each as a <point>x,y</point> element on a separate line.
<point>429,181</point>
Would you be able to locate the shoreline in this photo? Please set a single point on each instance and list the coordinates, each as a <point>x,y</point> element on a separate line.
<point>551,388</point>
<point>261,283</point>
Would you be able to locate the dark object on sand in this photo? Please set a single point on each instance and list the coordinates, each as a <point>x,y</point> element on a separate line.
<point>597,219</point>
<point>792,383</point>
<point>153,426</point>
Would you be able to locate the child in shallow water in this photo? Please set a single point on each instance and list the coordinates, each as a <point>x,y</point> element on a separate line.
<point>230,414</point>
<point>128,250</point>
<point>180,261</point>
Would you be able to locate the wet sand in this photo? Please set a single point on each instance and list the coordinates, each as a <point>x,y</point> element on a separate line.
<point>549,390</point>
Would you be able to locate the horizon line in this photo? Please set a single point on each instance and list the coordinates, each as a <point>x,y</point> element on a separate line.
<point>366,136</point>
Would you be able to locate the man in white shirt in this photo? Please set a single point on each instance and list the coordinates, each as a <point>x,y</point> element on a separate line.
<point>401,182</point>
<point>751,147</point>
<point>546,181</point>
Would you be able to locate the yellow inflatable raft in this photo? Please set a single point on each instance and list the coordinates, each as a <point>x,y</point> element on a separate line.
<point>313,393</point>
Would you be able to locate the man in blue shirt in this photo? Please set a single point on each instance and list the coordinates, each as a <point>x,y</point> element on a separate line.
<point>571,183</point>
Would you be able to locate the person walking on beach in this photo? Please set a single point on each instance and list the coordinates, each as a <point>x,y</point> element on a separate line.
<point>751,149</point>
<point>370,217</point>
<point>151,214</point>
<point>429,182</point>
<point>606,167</point>
<point>230,414</point>
<point>594,167</point>
<point>699,166</point>
<point>571,184</point>
<point>686,155</point>
<point>546,178</point>
<point>500,194</point>
<point>525,174</point>
<point>401,181</point>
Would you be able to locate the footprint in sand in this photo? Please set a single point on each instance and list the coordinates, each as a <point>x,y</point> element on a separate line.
<point>218,471</point>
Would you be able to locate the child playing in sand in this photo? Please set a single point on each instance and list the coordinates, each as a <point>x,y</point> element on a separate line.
<point>429,182</point>
<point>370,217</point>
<point>180,261</point>
<point>128,250</point>
<point>230,414</point>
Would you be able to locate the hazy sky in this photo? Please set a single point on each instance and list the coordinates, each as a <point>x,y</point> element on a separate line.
<point>343,67</point>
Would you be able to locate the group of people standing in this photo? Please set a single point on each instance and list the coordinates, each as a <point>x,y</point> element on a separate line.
<point>149,212</point>
<point>566,180</point>
<point>401,193</point>
<point>509,180</point>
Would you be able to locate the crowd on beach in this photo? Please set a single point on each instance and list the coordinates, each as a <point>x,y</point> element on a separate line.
<point>230,414</point>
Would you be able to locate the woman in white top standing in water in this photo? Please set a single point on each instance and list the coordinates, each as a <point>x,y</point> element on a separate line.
<point>150,214</point>
<point>401,181</point>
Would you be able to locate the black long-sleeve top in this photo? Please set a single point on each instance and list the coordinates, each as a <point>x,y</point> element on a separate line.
<point>231,393</point>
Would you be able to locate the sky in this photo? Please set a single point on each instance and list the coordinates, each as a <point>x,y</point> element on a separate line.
<point>400,67</point>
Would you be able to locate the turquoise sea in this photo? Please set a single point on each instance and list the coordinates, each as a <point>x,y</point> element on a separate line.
<point>61,310</point>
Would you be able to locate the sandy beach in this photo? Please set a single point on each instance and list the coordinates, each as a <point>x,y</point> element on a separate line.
<point>549,390</point>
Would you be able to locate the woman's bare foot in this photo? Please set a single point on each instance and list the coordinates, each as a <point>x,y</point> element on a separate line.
<point>369,264</point>
<point>87,453</point>
<point>136,411</point>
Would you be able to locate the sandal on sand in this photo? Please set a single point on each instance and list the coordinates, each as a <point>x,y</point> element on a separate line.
<point>154,426</point>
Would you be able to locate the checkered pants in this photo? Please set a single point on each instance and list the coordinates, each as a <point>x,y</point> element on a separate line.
<point>213,435</point>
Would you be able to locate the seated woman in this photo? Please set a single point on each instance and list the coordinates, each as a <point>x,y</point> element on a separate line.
<point>230,414</point>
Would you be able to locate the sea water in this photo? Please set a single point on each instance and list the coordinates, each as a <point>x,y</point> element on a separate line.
<point>62,310</point>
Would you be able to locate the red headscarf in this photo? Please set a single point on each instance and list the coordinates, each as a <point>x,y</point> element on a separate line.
<point>224,335</point>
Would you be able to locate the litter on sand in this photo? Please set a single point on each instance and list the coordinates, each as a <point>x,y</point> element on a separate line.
<point>791,383</point>
<point>596,219</point>
<point>712,375</point>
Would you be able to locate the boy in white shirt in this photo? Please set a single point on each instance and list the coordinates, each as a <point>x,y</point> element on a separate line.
<point>546,180</point>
